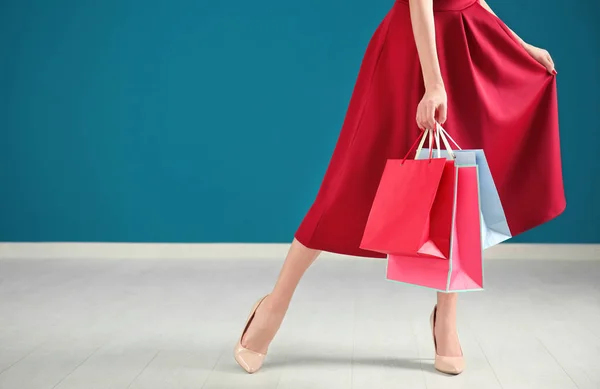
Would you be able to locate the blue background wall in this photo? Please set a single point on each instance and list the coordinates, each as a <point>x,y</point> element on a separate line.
<point>204,121</point>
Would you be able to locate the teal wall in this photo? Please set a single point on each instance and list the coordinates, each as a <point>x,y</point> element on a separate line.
<point>214,121</point>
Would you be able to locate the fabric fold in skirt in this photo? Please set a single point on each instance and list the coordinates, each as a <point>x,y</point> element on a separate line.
<point>499,99</point>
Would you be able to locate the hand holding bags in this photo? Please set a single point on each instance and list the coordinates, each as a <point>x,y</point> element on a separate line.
<point>426,217</point>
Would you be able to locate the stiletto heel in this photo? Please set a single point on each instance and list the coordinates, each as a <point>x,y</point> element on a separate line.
<point>448,365</point>
<point>249,360</point>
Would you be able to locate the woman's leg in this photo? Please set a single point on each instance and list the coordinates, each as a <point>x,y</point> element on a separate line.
<point>446,334</point>
<point>272,310</point>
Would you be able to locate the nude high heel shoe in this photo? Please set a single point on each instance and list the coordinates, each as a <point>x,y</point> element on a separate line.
<point>249,360</point>
<point>448,365</point>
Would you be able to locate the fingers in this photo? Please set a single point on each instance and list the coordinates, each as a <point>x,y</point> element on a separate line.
<point>549,63</point>
<point>442,113</point>
<point>425,116</point>
<point>429,120</point>
<point>419,119</point>
<point>428,115</point>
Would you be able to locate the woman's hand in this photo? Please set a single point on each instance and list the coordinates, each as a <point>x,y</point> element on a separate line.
<point>432,108</point>
<point>542,56</point>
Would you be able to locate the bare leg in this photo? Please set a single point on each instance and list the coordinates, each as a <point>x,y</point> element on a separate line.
<point>271,312</point>
<point>446,334</point>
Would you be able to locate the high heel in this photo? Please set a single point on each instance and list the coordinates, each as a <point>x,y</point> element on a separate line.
<point>448,365</point>
<point>249,360</point>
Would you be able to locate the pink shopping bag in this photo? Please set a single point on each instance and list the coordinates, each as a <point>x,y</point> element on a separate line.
<point>463,270</point>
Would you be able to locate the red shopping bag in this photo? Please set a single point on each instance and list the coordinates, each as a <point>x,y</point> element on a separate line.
<point>463,270</point>
<point>412,210</point>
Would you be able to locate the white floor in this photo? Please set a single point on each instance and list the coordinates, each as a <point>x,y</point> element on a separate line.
<point>100,324</point>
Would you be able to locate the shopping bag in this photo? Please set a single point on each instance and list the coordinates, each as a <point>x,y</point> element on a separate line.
<point>463,270</point>
<point>494,227</point>
<point>411,212</point>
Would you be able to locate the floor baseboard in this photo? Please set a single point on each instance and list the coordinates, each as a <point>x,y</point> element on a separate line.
<point>255,251</point>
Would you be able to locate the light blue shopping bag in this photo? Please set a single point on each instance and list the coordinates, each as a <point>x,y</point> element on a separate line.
<point>494,227</point>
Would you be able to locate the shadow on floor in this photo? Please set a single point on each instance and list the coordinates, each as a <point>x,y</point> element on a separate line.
<point>316,360</point>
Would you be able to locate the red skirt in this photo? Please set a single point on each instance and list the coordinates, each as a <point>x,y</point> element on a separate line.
<point>499,99</point>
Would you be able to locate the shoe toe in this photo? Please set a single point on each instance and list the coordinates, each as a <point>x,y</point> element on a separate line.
<point>249,360</point>
<point>450,365</point>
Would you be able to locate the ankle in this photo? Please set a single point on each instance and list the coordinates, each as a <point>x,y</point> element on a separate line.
<point>445,319</point>
<point>445,329</point>
<point>277,304</point>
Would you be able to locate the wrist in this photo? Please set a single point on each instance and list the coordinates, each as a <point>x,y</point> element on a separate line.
<point>438,85</point>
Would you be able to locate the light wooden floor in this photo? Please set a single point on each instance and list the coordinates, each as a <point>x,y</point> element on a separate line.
<point>148,324</point>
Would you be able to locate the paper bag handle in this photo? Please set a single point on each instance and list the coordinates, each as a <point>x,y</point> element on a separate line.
<point>444,132</point>
<point>420,141</point>
<point>440,133</point>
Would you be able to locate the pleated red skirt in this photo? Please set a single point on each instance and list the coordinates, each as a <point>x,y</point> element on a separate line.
<point>499,99</point>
